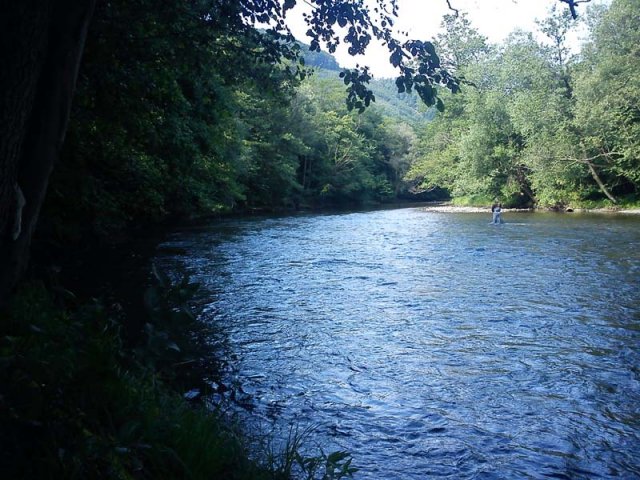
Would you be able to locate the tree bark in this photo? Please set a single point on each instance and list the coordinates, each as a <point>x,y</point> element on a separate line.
<point>41,43</point>
<point>602,186</point>
<point>22,49</point>
<point>521,177</point>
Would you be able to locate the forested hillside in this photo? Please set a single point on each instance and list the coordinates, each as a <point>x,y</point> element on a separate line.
<point>160,129</point>
<point>399,107</point>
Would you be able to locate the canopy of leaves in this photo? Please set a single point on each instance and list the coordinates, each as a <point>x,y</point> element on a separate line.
<point>537,125</point>
<point>355,24</point>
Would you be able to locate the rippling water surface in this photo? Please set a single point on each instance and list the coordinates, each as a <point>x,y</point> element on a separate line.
<point>434,345</point>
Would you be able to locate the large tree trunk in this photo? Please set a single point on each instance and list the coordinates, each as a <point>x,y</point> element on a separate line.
<point>41,43</point>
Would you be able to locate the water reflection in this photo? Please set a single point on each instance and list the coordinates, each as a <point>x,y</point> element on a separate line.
<point>432,345</point>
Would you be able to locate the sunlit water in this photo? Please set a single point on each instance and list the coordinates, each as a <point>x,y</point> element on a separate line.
<point>434,345</point>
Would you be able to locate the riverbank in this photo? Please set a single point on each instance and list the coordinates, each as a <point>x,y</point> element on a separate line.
<point>450,208</point>
<point>79,398</point>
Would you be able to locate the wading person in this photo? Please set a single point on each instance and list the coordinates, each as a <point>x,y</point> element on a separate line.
<point>496,211</point>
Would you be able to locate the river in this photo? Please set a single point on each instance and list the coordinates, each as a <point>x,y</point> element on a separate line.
<point>433,345</point>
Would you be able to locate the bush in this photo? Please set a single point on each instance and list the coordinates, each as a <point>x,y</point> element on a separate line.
<point>76,404</point>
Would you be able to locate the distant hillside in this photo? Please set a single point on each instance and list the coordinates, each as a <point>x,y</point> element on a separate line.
<point>407,108</point>
<point>322,60</point>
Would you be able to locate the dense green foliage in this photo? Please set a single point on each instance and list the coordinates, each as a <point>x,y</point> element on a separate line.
<point>77,403</point>
<point>536,125</point>
<point>177,118</point>
<point>156,129</point>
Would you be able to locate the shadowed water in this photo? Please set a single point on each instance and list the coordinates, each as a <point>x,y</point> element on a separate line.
<point>434,345</point>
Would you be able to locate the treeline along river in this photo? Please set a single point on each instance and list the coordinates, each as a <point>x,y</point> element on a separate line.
<point>433,345</point>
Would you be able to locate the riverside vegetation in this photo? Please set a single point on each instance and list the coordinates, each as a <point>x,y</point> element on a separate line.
<point>176,118</point>
<point>542,125</point>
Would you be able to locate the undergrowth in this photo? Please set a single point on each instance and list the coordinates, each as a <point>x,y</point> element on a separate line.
<point>75,402</point>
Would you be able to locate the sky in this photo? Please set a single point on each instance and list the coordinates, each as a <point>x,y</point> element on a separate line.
<point>494,19</point>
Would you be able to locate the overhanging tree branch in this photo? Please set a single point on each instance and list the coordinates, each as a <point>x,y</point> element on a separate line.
<point>572,6</point>
<point>453,9</point>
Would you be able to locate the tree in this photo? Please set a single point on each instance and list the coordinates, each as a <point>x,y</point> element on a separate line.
<point>398,140</point>
<point>271,151</point>
<point>173,141</point>
<point>607,95</point>
<point>41,43</point>
<point>539,125</point>
<point>336,166</point>
<point>582,141</point>
<point>437,152</point>
<point>441,161</point>
<point>538,105</point>
<point>461,45</point>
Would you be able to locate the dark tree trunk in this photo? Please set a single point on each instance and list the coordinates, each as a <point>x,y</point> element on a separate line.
<point>521,177</point>
<point>600,183</point>
<point>41,43</point>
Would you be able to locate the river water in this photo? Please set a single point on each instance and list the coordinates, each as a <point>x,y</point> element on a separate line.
<point>433,345</point>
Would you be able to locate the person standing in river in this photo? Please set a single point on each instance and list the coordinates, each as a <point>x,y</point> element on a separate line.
<point>496,210</point>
